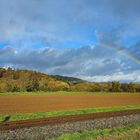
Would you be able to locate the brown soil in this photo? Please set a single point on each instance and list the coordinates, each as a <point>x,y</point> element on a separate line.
<point>58,102</point>
<point>63,119</point>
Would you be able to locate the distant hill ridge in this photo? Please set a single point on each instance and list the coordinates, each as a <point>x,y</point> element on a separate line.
<point>70,80</point>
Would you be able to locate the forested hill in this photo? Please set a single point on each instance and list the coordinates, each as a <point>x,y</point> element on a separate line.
<point>12,80</point>
<point>25,80</point>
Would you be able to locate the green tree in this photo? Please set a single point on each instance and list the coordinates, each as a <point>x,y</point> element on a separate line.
<point>116,87</point>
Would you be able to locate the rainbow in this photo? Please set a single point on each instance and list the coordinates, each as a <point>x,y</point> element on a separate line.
<point>123,53</point>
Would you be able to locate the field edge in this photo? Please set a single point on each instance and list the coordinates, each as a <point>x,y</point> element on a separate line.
<point>40,115</point>
<point>61,92</point>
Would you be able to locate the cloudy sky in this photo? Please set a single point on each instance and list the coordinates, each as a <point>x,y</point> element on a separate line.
<point>96,40</point>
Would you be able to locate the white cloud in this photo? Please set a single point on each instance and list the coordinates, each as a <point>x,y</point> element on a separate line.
<point>120,76</point>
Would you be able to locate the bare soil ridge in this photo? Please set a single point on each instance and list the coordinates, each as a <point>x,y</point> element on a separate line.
<point>63,119</point>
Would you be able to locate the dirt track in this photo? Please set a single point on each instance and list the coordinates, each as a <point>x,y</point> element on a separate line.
<point>64,119</point>
<point>57,102</point>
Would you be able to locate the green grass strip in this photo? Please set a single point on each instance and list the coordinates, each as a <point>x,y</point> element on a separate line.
<point>37,115</point>
<point>60,92</point>
<point>47,92</point>
<point>90,135</point>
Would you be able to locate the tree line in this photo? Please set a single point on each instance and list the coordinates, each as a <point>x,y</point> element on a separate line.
<point>12,80</point>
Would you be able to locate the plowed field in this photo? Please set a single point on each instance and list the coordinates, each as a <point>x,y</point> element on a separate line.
<point>58,102</point>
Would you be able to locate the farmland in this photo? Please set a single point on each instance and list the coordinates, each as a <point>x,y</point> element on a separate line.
<point>24,110</point>
<point>60,102</point>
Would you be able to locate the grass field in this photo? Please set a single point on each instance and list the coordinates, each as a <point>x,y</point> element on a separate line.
<point>37,115</point>
<point>128,132</point>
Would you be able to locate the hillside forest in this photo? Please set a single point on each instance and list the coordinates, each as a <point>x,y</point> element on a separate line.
<point>12,80</point>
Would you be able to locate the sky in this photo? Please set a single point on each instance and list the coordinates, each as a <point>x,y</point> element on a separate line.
<point>96,40</point>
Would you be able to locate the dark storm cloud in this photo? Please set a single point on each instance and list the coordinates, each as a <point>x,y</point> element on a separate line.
<point>6,51</point>
<point>55,20</point>
<point>82,61</point>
